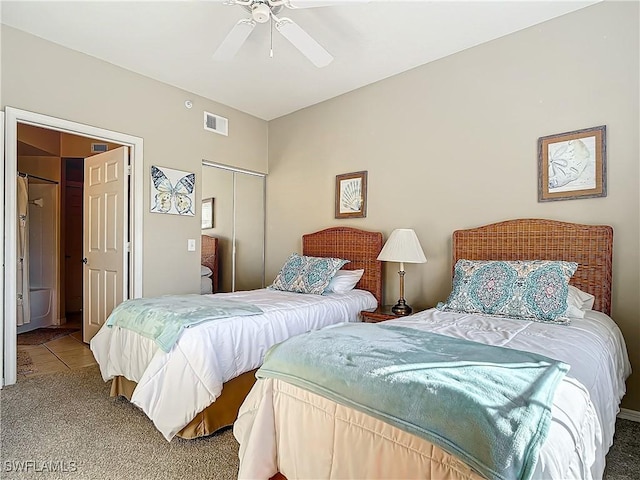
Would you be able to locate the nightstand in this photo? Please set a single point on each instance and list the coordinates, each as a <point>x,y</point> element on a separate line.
<point>381,314</point>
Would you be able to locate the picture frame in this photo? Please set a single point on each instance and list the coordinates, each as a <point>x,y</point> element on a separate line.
<point>172,191</point>
<point>351,195</point>
<point>573,165</point>
<point>207,213</point>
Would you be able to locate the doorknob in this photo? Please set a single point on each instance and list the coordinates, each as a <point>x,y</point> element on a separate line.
<point>85,261</point>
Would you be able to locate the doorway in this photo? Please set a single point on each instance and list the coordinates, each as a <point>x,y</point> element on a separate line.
<point>51,167</point>
<point>14,117</point>
<point>72,192</point>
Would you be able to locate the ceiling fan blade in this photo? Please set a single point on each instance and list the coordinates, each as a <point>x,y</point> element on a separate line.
<point>304,42</point>
<point>316,3</point>
<point>234,40</point>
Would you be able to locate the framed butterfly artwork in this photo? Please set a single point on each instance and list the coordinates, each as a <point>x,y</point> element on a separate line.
<point>172,191</point>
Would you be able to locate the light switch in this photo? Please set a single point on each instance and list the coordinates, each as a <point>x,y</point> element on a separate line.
<point>191,245</point>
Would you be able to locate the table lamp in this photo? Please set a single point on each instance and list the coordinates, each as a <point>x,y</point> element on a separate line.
<point>403,247</point>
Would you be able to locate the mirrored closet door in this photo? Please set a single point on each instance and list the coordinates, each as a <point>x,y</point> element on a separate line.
<point>238,218</point>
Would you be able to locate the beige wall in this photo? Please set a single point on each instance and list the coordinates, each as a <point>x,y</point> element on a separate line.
<point>45,167</point>
<point>43,141</point>
<point>452,144</point>
<point>43,77</point>
<point>75,146</point>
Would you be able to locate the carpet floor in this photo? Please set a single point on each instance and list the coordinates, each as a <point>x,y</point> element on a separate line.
<point>65,426</point>
<point>25,363</point>
<point>67,422</point>
<point>623,459</point>
<point>44,335</point>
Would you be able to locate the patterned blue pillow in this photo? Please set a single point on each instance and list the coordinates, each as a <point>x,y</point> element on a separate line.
<point>304,274</point>
<point>533,290</point>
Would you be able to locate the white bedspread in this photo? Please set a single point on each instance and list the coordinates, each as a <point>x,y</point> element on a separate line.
<point>584,408</point>
<point>174,387</point>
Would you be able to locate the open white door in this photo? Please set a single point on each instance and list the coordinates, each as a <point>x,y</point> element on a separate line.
<point>105,241</point>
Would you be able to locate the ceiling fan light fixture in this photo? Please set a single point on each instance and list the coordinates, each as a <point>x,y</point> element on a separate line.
<point>263,11</point>
<point>260,12</point>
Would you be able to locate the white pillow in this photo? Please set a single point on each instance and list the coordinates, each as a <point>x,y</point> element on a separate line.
<point>205,271</point>
<point>582,300</point>
<point>573,312</point>
<point>577,302</point>
<point>206,285</point>
<point>344,281</point>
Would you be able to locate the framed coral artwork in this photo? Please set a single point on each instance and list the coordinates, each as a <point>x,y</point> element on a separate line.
<point>573,165</point>
<point>351,195</point>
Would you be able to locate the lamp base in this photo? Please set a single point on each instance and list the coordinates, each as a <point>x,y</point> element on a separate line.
<point>401,308</point>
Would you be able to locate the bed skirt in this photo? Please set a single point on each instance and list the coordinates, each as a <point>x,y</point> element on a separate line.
<point>221,413</point>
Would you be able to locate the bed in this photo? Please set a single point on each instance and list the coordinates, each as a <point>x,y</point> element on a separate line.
<point>196,387</point>
<point>289,430</point>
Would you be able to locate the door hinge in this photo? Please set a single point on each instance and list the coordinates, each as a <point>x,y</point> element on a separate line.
<point>128,169</point>
<point>128,247</point>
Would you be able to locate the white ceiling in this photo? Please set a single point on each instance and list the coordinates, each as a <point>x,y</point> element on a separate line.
<point>173,42</point>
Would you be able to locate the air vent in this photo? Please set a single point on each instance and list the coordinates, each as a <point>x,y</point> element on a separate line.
<point>99,147</point>
<point>216,123</point>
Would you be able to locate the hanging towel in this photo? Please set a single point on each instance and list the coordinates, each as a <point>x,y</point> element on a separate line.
<point>22,281</point>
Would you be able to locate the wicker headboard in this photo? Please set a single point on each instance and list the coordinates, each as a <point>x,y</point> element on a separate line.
<point>359,246</point>
<point>209,258</point>
<point>590,246</point>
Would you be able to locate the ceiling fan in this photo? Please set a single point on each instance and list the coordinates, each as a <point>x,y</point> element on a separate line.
<point>263,11</point>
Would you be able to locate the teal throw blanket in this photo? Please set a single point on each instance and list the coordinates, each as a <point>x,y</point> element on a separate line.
<point>163,318</point>
<point>488,405</point>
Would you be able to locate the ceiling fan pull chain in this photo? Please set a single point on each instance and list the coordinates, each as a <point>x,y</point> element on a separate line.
<point>271,40</point>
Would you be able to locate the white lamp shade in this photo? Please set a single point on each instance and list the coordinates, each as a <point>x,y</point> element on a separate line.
<point>402,246</point>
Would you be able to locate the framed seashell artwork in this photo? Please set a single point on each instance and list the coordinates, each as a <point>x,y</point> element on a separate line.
<point>573,165</point>
<point>351,195</point>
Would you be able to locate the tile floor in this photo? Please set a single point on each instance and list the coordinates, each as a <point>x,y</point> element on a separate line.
<point>64,353</point>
